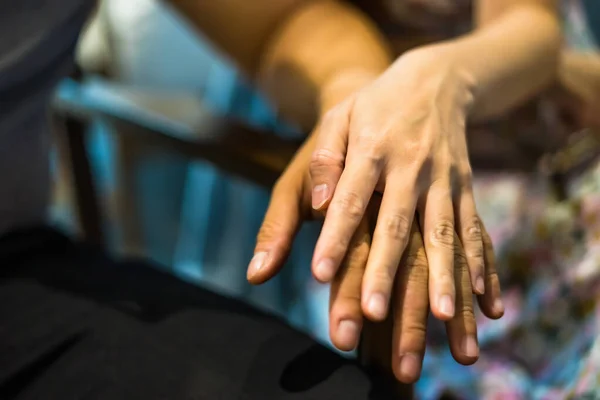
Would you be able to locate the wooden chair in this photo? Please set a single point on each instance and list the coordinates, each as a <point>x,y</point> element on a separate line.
<point>235,148</point>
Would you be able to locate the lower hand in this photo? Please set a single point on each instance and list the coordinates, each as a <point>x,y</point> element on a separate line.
<point>291,204</point>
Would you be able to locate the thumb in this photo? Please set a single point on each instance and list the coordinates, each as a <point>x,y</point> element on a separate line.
<point>327,163</point>
<point>276,234</point>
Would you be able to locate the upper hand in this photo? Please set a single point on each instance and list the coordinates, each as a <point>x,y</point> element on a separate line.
<point>404,135</point>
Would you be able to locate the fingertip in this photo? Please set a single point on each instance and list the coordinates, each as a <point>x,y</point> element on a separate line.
<point>324,270</point>
<point>321,195</point>
<point>256,265</point>
<point>443,307</point>
<point>375,307</point>
<point>408,368</point>
<point>479,286</point>
<point>345,334</point>
<point>497,309</point>
<point>265,265</point>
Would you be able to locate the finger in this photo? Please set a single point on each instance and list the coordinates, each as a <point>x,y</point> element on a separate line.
<point>389,241</point>
<point>469,232</point>
<point>462,328</point>
<point>345,315</point>
<point>490,302</point>
<point>327,161</point>
<point>438,223</point>
<point>410,310</point>
<point>344,214</point>
<point>276,234</point>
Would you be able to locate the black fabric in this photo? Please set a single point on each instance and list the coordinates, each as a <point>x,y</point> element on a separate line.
<point>75,324</point>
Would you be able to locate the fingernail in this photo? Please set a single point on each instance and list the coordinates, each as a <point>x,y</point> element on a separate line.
<point>348,332</point>
<point>446,306</point>
<point>479,285</point>
<point>377,305</point>
<point>320,194</point>
<point>410,366</point>
<point>325,270</point>
<point>498,306</point>
<point>470,347</point>
<point>256,264</point>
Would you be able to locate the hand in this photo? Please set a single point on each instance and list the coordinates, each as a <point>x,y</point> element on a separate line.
<point>404,133</point>
<point>291,204</point>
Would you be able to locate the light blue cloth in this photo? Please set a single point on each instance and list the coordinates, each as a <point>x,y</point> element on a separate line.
<point>197,219</point>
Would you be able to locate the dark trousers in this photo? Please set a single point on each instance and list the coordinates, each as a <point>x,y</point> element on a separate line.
<point>76,324</point>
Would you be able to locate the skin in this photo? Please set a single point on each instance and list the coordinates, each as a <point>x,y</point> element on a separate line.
<point>322,60</point>
<point>404,135</point>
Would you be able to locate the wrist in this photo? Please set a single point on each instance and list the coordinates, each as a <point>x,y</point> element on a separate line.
<point>438,71</point>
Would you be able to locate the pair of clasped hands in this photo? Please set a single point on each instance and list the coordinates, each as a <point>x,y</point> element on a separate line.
<point>388,170</point>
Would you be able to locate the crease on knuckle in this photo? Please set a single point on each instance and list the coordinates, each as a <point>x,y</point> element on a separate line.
<point>326,158</point>
<point>269,233</point>
<point>492,276</point>
<point>460,262</point>
<point>472,230</point>
<point>466,312</point>
<point>396,227</point>
<point>373,147</point>
<point>414,326</point>
<point>476,255</point>
<point>348,295</point>
<point>416,265</point>
<point>355,262</point>
<point>351,205</point>
<point>418,273</point>
<point>442,235</point>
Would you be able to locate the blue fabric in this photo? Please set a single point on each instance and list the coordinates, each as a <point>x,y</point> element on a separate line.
<point>197,219</point>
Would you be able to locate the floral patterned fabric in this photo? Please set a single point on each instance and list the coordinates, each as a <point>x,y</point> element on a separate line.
<point>547,346</point>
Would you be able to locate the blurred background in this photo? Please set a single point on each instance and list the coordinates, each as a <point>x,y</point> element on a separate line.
<point>143,63</point>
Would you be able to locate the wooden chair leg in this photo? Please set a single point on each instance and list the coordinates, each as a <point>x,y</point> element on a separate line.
<point>127,200</point>
<point>72,135</point>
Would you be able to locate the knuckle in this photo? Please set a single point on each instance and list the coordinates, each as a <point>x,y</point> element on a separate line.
<point>416,261</point>
<point>414,326</point>
<point>465,176</point>
<point>384,274</point>
<point>442,234</point>
<point>347,294</point>
<point>350,204</point>
<point>472,230</point>
<point>460,261</point>
<point>330,116</point>
<point>270,231</point>
<point>445,279</point>
<point>418,270</point>
<point>325,158</point>
<point>476,255</point>
<point>397,227</point>
<point>372,146</point>
<point>355,261</point>
<point>466,312</point>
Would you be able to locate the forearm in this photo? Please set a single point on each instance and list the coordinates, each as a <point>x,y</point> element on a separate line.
<point>293,48</point>
<point>322,53</point>
<point>508,60</point>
